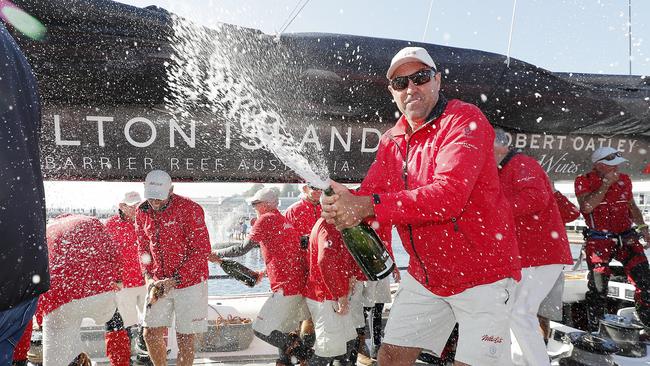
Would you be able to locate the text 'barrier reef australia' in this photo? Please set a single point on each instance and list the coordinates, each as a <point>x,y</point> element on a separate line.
<point>127,89</point>
<point>367,249</point>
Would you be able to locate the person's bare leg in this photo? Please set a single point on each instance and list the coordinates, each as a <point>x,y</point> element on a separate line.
<point>392,355</point>
<point>185,349</point>
<point>545,327</point>
<point>155,340</point>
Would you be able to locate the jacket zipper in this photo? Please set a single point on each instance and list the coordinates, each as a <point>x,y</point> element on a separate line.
<point>162,260</point>
<point>406,186</point>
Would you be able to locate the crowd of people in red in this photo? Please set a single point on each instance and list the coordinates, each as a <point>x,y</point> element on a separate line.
<point>481,223</point>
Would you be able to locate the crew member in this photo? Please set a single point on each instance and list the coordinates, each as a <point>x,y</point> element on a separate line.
<point>607,205</point>
<point>173,245</point>
<point>287,271</point>
<point>435,179</point>
<point>130,299</point>
<point>543,245</point>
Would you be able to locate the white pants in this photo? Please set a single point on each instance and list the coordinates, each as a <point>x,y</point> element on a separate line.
<point>421,319</point>
<point>62,327</point>
<point>130,304</point>
<point>535,284</point>
<point>356,307</point>
<point>332,329</point>
<point>376,292</point>
<point>281,313</point>
<point>187,306</point>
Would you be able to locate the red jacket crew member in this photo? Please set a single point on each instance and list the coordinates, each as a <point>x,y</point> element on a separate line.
<point>608,207</point>
<point>286,268</point>
<point>435,179</point>
<point>174,246</point>
<point>543,244</point>
<point>84,270</point>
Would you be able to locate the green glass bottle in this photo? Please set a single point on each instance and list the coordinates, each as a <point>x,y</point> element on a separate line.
<point>367,249</point>
<point>239,272</point>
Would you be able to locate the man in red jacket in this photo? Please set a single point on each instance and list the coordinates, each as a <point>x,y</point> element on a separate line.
<point>304,213</point>
<point>130,299</point>
<point>551,306</point>
<point>174,246</point>
<point>543,245</point>
<point>328,291</point>
<point>84,273</point>
<point>286,268</point>
<point>435,179</point>
<point>607,204</point>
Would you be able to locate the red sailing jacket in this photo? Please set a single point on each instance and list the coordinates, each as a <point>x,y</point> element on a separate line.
<point>613,213</point>
<point>540,230</point>
<point>279,241</point>
<point>124,237</point>
<point>83,261</point>
<point>174,241</point>
<point>330,264</point>
<point>440,187</point>
<point>303,215</point>
<point>568,210</point>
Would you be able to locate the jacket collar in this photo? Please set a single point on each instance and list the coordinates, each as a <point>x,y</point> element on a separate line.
<point>506,159</point>
<point>402,124</point>
<point>146,207</point>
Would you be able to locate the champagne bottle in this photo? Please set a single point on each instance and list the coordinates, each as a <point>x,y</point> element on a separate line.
<point>239,272</point>
<point>367,249</point>
<point>155,293</point>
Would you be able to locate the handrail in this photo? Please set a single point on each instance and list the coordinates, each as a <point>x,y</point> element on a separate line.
<point>226,276</point>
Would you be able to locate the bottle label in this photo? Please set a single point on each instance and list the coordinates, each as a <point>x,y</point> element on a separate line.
<point>389,267</point>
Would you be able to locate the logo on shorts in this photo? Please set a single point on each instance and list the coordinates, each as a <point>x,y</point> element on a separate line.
<point>492,339</point>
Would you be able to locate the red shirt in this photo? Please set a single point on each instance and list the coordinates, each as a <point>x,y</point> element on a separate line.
<point>540,230</point>
<point>126,240</point>
<point>174,241</point>
<point>330,264</point>
<point>303,215</point>
<point>568,210</point>
<point>280,245</point>
<point>83,261</point>
<point>613,213</point>
<point>440,187</point>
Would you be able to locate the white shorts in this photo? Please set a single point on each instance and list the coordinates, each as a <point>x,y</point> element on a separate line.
<point>356,307</point>
<point>281,313</point>
<point>528,346</point>
<point>421,319</point>
<point>189,307</point>
<point>130,304</point>
<point>376,292</point>
<point>62,327</point>
<point>332,329</point>
<point>551,306</point>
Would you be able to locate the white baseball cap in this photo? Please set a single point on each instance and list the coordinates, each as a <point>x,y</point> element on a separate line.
<point>267,194</point>
<point>131,198</point>
<point>157,185</point>
<point>608,156</point>
<point>410,54</point>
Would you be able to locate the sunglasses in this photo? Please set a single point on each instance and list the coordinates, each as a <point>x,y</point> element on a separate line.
<point>419,78</point>
<point>611,157</point>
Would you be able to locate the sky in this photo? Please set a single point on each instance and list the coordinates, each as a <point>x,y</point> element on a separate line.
<point>561,36</point>
<point>567,36</point>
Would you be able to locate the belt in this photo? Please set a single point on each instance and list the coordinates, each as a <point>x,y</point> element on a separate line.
<point>590,234</point>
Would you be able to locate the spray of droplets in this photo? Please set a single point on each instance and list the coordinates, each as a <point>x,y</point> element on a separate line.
<point>238,76</point>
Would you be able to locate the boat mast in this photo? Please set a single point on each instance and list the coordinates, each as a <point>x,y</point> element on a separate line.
<point>512,27</point>
<point>629,32</point>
